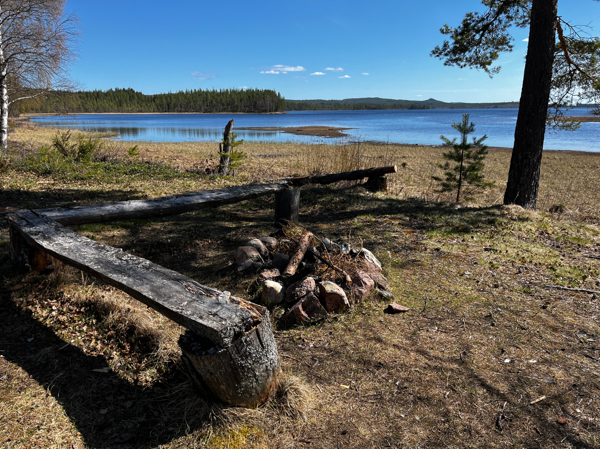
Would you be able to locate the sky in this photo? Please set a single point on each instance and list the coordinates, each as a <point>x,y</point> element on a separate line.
<point>304,49</point>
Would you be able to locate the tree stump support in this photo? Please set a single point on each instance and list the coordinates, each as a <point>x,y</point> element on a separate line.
<point>287,206</point>
<point>376,184</point>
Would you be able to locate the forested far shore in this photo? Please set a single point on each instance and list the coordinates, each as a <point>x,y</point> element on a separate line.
<point>129,100</point>
<point>374,103</point>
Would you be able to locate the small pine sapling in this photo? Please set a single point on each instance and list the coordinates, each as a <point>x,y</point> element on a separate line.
<point>468,158</point>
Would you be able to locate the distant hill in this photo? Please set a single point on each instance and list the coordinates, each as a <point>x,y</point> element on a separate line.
<point>386,103</point>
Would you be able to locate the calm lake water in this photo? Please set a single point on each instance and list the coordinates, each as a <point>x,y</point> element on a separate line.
<point>405,126</point>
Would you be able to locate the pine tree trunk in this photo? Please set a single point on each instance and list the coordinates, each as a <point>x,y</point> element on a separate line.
<point>524,174</point>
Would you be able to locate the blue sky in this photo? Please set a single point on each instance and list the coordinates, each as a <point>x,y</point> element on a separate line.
<point>305,49</point>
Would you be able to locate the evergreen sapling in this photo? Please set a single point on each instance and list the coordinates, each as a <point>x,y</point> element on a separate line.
<point>468,158</point>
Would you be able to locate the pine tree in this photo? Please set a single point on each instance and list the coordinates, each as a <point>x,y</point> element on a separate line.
<point>468,156</point>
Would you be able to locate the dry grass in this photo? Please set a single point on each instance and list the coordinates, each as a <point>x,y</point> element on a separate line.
<point>484,340</point>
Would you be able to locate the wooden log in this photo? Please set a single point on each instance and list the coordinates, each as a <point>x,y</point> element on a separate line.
<point>376,184</point>
<point>295,260</point>
<point>204,310</point>
<point>287,206</point>
<point>344,176</point>
<point>229,347</point>
<point>158,207</point>
<point>225,149</point>
<point>243,374</point>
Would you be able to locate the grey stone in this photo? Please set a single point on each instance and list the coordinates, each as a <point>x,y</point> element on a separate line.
<point>272,293</point>
<point>269,242</point>
<point>244,253</point>
<point>268,274</point>
<point>369,256</point>
<point>260,247</point>
<point>396,308</point>
<point>333,297</point>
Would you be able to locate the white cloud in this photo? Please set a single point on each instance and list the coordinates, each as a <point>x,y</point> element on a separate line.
<point>339,69</point>
<point>279,68</point>
<point>365,73</point>
<point>203,76</point>
<point>243,87</point>
<point>461,79</point>
<point>318,73</point>
<point>526,40</point>
<point>345,76</point>
<point>419,95</point>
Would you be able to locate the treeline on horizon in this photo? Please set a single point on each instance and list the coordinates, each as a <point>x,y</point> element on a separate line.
<point>128,100</point>
<point>217,101</point>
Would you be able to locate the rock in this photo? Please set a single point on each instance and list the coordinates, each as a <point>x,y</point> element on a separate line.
<point>244,253</point>
<point>333,297</point>
<point>266,275</point>
<point>260,247</point>
<point>362,286</point>
<point>272,293</point>
<point>370,257</point>
<point>312,307</point>
<point>304,311</point>
<point>385,294</point>
<point>280,261</point>
<point>396,308</point>
<point>300,289</point>
<point>379,279</point>
<point>330,246</point>
<point>269,242</point>
<point>245,265</point>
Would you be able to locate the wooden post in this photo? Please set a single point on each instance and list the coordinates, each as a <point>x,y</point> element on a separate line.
<point>287,205</point>
<point>376,184</point>
<point>242,374</point>
<point>225,149</point>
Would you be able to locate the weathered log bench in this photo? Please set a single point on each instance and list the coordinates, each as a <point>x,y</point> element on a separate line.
<point>229,347</point>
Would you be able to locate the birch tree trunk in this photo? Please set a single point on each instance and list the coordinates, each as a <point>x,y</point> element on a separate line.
<point>3,95</point>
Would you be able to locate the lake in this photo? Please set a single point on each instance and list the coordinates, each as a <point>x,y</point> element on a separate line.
<point>396,126</point>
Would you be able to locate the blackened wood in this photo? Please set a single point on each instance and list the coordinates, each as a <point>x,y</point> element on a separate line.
<point>225,149</point>
<point>524,174</point>
<point>298,255</point>
<point>242,374</point>
<point>204,310</point>
<point>158,207</point>
<point>376,184</point>
<point>344,176</point>
<point>287,206</point>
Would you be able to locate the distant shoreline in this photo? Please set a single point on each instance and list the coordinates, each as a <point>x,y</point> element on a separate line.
<point>52,114</point>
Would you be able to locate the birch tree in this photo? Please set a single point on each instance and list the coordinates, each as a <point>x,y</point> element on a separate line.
<point>37,42</point>
<point>562,66</point>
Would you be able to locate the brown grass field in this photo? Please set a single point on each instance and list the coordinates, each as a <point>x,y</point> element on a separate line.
<point>491,354</point>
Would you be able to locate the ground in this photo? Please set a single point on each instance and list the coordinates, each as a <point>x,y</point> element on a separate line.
<point>495,351</point>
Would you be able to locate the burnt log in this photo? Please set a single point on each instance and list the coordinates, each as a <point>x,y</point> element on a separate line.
<point>344,176</point>
<point>238,331</point>
<point>158,207</point>
<point>376,184</point>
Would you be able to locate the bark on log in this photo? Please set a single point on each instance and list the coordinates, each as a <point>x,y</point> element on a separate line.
<point>158,207</point>
<point>225,149</point>
<point>295,260</point>
<point>242,374</point>
<point>344,176</point>
<point>287,205</point>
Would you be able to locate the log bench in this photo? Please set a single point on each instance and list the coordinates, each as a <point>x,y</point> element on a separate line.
<point>229,346</point>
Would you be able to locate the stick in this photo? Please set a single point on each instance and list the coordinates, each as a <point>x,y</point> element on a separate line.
<point>583,290</point>
<point>303,245</point>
